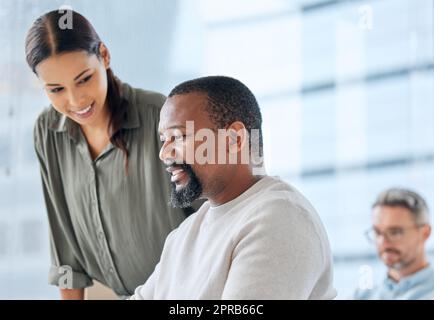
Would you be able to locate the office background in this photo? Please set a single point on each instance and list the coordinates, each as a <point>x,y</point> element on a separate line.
<point>346,89</point>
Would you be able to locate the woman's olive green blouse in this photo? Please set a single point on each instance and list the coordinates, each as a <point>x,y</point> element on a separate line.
<point>104,224</point>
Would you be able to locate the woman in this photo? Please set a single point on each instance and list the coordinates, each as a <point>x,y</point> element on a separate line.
<point>105,189</point>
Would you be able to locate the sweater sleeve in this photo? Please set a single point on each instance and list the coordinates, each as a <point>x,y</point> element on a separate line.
<point>147,290</point>
<point>277,255</point>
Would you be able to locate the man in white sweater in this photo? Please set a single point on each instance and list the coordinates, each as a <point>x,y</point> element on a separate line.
<point>256,237</point>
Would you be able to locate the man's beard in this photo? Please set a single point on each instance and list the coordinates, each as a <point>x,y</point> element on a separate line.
<point>184,197</point>
<point>399,263</point>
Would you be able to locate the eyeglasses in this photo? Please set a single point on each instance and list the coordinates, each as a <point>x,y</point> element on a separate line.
<point>392,234</point>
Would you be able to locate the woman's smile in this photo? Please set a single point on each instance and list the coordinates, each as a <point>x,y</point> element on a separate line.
<point>85,112</point>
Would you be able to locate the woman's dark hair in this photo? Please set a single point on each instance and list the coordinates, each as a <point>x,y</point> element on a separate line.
<point>48,37</point>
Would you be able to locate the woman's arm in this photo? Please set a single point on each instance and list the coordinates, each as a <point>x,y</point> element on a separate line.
<point>66,271</point>
<point>72,294</point>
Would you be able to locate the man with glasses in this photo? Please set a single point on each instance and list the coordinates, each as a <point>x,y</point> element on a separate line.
<point>400,230</point>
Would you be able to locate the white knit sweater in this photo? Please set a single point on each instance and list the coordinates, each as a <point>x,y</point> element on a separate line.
<point>268,243</point>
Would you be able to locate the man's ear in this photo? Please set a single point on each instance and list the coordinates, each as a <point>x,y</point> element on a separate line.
<point>105,55</point>
<point>237,137</point>
<point>426,231</point>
